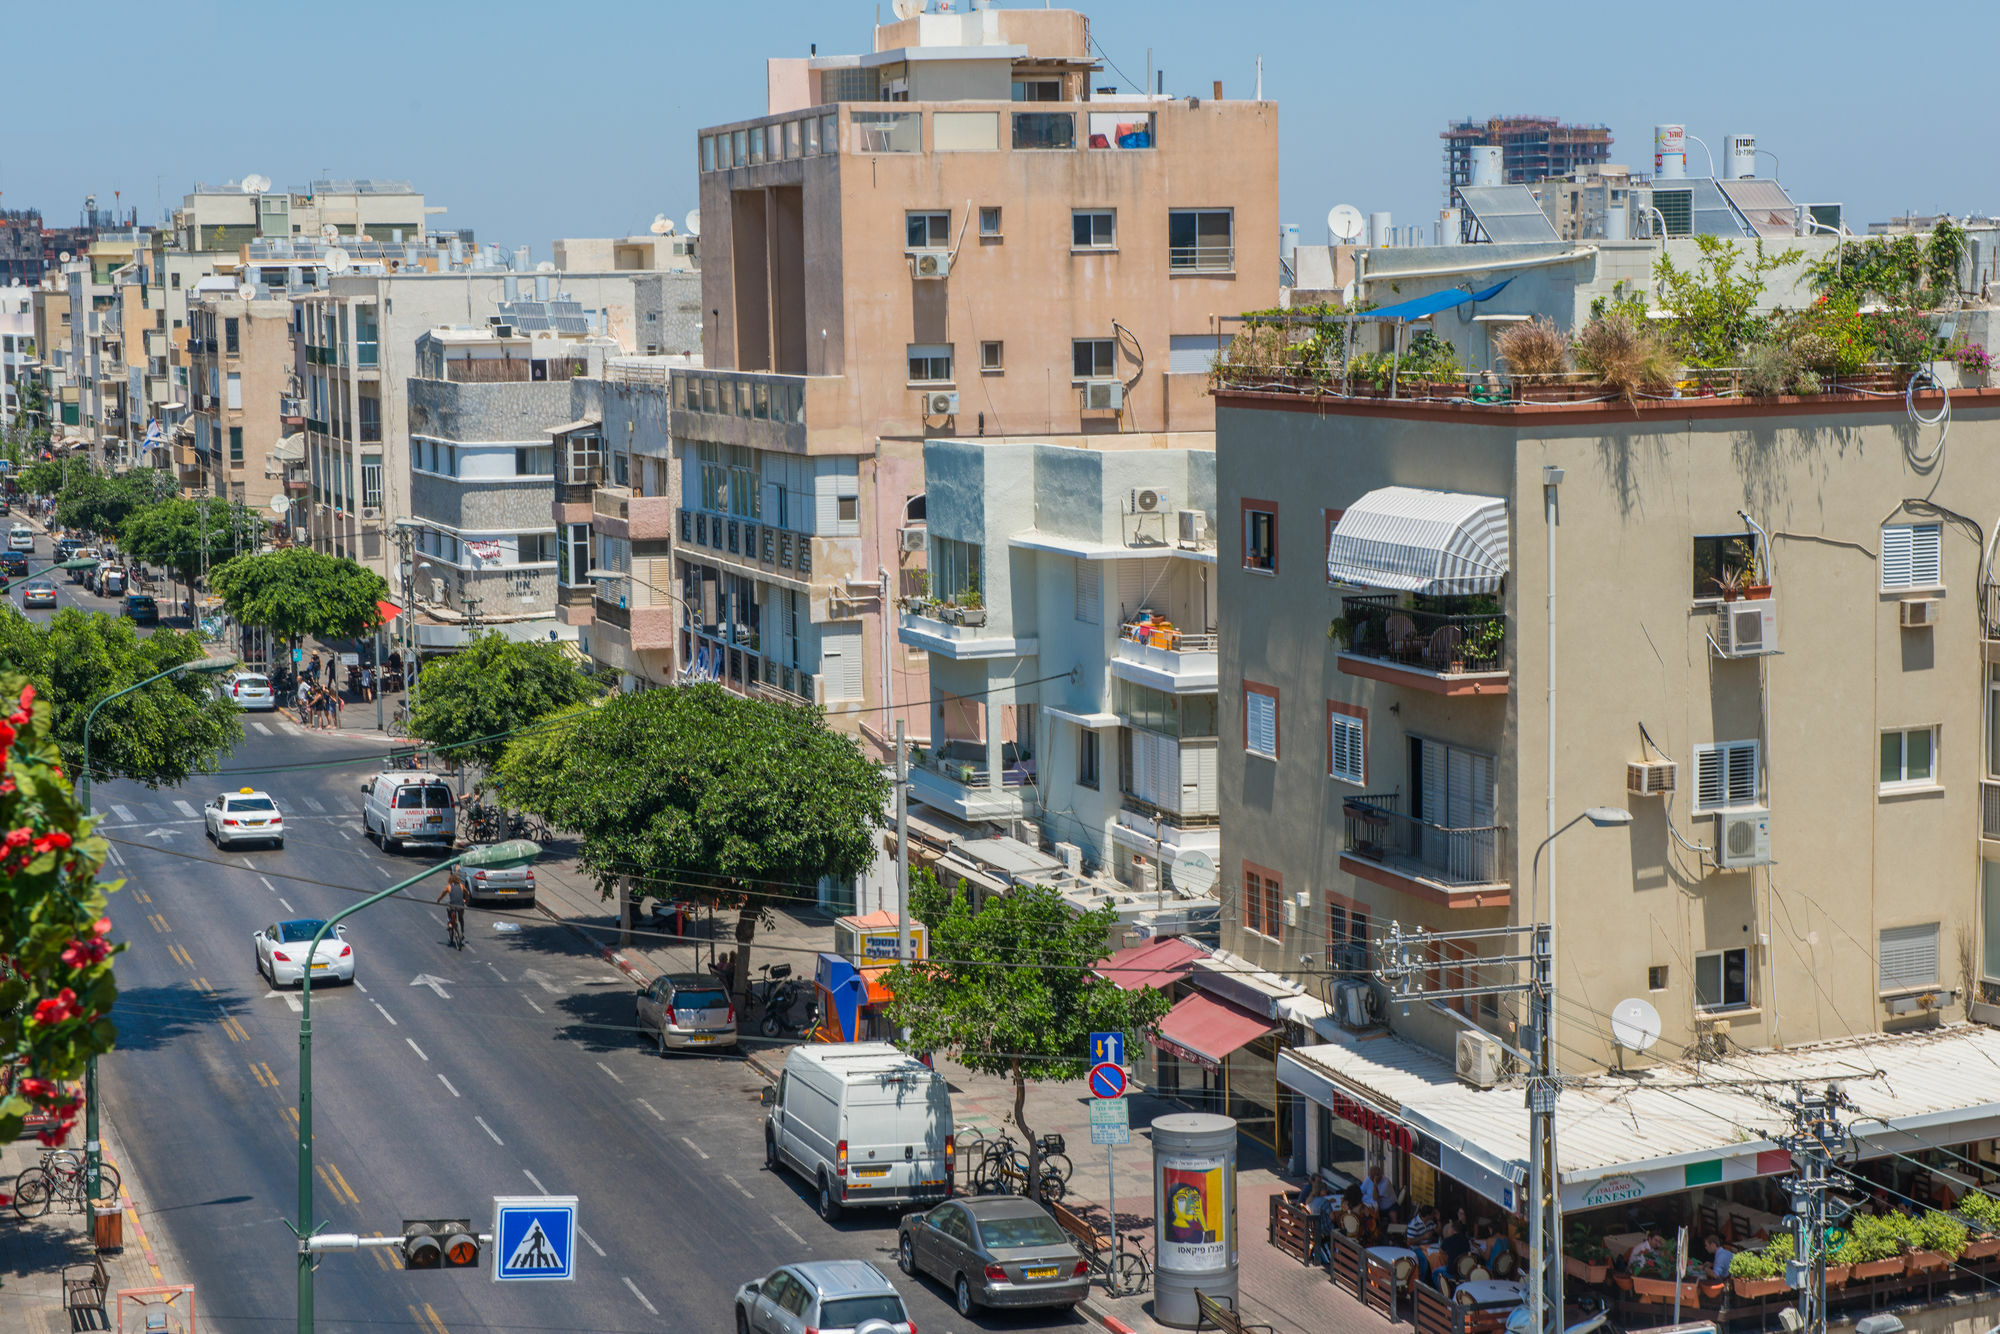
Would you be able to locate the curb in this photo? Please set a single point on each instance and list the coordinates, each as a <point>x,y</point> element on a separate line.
<point>1104,1318</point>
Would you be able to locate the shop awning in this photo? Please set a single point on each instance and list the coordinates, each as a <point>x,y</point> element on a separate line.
<point>1423,307</point>
<point>1416,541</point>
<point>1155,964</point>
<point>388,611</point>
<point>1205,1030</point>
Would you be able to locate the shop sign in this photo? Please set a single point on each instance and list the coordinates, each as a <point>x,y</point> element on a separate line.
<point>1385,1128</point>
<point>1613,1190</point>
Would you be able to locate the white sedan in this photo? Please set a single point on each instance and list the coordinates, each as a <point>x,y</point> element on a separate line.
<point>244,816</point>
<point>282,947</point>
<point>249,690</point>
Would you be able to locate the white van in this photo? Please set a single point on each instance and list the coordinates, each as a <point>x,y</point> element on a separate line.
<point>865,1123</point>
<point>409,808</point>
<point>20,538</point>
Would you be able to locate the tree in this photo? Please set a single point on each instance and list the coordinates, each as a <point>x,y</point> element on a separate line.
<point>297,591</point>
<point>188,536</point>
<point>159,736</point>
<point>1010,990</point>
<point>45,477</point>
<point>494,686</point>
<point>56,989</point>
<point>96,503</point>
<point>1714,305</point>
<point>729,801</point>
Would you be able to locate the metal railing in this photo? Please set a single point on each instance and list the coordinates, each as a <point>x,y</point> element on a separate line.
<point>1171,641</point>
<point>1201,258</point>
<point>974,772</point>
<point>1385,627</point>
<point>1378,831</point>
<point>1989,808</point>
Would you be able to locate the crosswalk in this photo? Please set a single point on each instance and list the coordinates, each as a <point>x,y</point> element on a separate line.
<point>149,813</point>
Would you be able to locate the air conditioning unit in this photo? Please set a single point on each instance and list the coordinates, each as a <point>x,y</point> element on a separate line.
<point>1743,837</point>
<point>1103,395</point>
<point>1072,857</point>
<point>911,539</point>
<point>930,263</point>
<point>1354,1005</point>
<point>1652,778</point>
<point>1478,1059</point>
<point>1921,613</point>
<point>941,403</point>
<point>1149,501</point>
<point>1291,913</point>
<point>371,513</point>
<point>1194,525</point>
<point>1746,629</point>
<point>503,331</point>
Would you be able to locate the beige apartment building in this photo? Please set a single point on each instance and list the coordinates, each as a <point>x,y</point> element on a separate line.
<point>241,380</point>
<point>957,234</point>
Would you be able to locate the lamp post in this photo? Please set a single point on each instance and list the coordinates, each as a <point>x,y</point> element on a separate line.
<point>20,579</point>
<point>93,1149</point>
<point>519,852</point>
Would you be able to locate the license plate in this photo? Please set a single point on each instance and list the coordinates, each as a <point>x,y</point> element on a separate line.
<point>319,965</point>
<point>1048,1271</point>
<point>698,1038</point>
<point>872,1171</point>
<point>434,819</point>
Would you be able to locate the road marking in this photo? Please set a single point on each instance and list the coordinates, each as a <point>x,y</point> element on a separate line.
<point>186,809</point>
<point>331,1189</point>
<point>786,1228</point>
<point>641,1296</point>
<point>313,804</point>
<point>496,972</point>
<point>267,883</point>
<point>541,979</point>
<point>122,813</point>
<point>385,1014</point>
<point>609,1071</point>
<point>142,896</point>
<point>538,1009</point>
<point>381,1254</point>
<point>489,1130</point>
<point>111,851</point>
<point>447,1083</point>
<point>287,907</point>
<point>384,870</point>
<point>236,1031</point>
<point>292,1001</point>
<point>352,1198</point>
<point>343,833</point>
<point>649,1107</point>
<point>415,1048</point>
<point>363,990</point>
<point>267,1072</point>
<point>180,956</point>
<point>434,1319</point>
<point>739,1186</point>
<point>436,984</point>
<point>261,730</point>
<point>261,1081</point>
<point>535,1181</point>
<point>696,1147</point>
<point>588,1242</point>
<point>164,835</point>
<point>246,864</point>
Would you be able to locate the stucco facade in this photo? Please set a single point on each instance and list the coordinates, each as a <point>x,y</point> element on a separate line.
<point>241,355</point>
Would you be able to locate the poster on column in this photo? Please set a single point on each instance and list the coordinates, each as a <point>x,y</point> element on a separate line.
<point>1198,1212</point>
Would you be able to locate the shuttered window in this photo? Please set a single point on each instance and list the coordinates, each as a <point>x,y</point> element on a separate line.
<point>840,660</point>
<point>1142,584</point>
<point>1911,555</point>
<point>1907,957</point>
<point>1089,593</point>
<point>1260,722</point>
<point>1725,775</point>
<point>1346,748</point>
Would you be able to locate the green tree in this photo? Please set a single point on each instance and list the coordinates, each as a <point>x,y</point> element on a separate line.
<point>97,503</point>
<point>720,799</point>
<point>1714,303</point>
<point>298,591</point>
<point>1009,990</point>
<point>494,686</point>
<point>188,536</point>
<point>45,477</point>
<point>159,736</point>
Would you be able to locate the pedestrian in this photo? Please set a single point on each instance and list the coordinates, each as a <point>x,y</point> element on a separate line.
<point>312,669</point>
<point>334,704</point>
<point>367,684</point>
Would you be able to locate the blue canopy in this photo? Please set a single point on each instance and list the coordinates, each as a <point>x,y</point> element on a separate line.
<point>1425,306</point>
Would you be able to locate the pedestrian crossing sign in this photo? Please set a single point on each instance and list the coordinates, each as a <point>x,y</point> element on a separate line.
<point>534,1238</point>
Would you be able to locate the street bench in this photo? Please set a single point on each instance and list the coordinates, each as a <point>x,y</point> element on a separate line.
<point>1093,1243</point>
<point>1124,1269</point>
<point>85,1286</point>
<point>1219,1313</point>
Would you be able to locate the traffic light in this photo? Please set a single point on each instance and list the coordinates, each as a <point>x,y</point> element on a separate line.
<point>440,1243</point>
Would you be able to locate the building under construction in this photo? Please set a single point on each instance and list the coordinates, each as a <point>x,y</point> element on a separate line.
<point>1532,148</point>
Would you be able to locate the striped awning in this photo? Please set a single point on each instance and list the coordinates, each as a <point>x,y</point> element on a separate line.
<point>1417,541</point>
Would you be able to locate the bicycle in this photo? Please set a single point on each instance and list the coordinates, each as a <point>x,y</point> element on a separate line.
<point>61,1175</point>
<point>399,719</point>
<point>454,926</point>
<point>1004,1170</point>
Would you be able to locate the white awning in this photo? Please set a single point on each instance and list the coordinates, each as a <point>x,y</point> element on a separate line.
<point>290,449</point>
<point>1416,541</point>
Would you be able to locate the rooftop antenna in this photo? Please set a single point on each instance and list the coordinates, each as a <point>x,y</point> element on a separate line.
<point>1194,873</point>
<point>247,291</point>
<point>253,184</point>
<point>662,225</point>
<point>1344,224</point>
<point>691,224</point>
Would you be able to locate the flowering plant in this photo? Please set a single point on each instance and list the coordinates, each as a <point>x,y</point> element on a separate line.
<point>1973,358</point>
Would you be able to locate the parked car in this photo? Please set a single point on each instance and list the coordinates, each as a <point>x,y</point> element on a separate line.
<point>686,1010</point>
<point>829,1296</point>
<point>865,1123</point>
<point>408,808</point>
<point>83,553</point>
<point>13,564</point>
<point>38,593</point>
<point>501,884</point>
<point>142,609</point>
<point>281,952</point>
<point>65,545</point>
<point>249,690</point>
<point>20,538</point>
<point>997,1250</point>
<point>244,816</point>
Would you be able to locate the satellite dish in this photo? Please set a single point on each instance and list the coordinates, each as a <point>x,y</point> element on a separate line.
<point>1194,873</point>
<point>328,230</point>
<point>662,225</point>
<point>248,291</point>
<point>546,266</point>
<point>63,257</point>
<point>691,224</point>
<point>254,184</point>
<point>280,506</point>
<point>1635,1024</point>
<point>1345,223</point>
<point>908,9</point>
<point>338,260</point>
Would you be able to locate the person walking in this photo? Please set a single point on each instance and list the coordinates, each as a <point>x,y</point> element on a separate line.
<point>367,685</point>
<point>334,704</point>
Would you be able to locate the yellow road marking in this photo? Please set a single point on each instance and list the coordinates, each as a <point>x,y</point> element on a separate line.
<point>352,1198</point>
<point>142,896</point>
<point>236,1031</point>
<point>294,1113</point>
<point>381,1254</point>
<point>180,956</point>
<point>159,923</point>
<point>434,1319</point>
<point>415,1318</point>
<point>268,1075</point>
<point>262,1080</point>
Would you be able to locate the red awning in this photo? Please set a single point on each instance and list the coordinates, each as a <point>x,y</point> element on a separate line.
<point>1155,964</point>
<point>1205,1030</point>
<point>388,611</point>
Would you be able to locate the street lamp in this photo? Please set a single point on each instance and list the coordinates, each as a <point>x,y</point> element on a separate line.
<point>93,1150</point>
<point>518,852</point>
<point>19,579</point>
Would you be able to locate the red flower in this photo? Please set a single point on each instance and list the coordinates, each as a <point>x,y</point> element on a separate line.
<point>48,842</point>
<point>6,787</point>
<point>19,838</point>
<point>82,953</point>
<point>57,1008</point>
<point>7,735</point>
<point>101,927</point>
<point>20,718</point>
<point>37,1089</point>
<point>27,696</point>
<point>56,1133</point>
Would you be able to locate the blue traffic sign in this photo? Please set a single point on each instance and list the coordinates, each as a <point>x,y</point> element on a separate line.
<point>534,1238</point>
<point>1107,1049</point>
<point>1107,1081</point>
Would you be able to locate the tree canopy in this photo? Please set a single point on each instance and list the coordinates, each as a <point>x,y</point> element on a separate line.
<point>1714,302</point>
<point>298,591</point>
<point>159,736</point>
<point>45,477</point>
<point>185,536</point>
<point>97,503</point>
<point>494,686</point>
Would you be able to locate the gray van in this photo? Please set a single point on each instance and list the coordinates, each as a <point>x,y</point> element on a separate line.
<point>867,1124</point>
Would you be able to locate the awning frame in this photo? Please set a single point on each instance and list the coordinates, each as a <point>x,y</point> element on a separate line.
<point>1460,546</point>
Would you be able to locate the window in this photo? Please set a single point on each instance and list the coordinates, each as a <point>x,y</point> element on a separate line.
<point>230,335</point>
<point>1094,358</point>
<point>1909,758</point>
<point>930,363</point>
<point>927,231</point>
<point>236,446</point>
<point>235,389</point>
<point>1716,556</point>
<point>989,222</point>
<point>708,152</point>
<point>1093,229</point>
<point>1346,921</point>
<point>1725,775</point>
<point>1907,957</point>
<point>586,460</point>
<point>173,280</point>
<point>954,568</point>
<point>1087,760</point>
<point>1346,743</point>
<point>1261,891</point>
<point>1989,894</point>
<point>575,556</point>
<point>1722,980</point>
<point>1089,593</point>
<point>535,548</point>
<point>371,484</point>
<point>847,509</point>
<point>1260,720</point>
<point>1911,556</point>
<point>1038,90</point>
<point>992,356</point>
<point>1656,977</point>
<point>1044,129</point>
<point>535,461</point>
<point>1201,240</point>
<point>1260,536</point>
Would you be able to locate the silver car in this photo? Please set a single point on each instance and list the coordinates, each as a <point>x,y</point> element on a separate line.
<point>249,690</point>
<point>829,1296</point>
<point>500,884</point>
<point>998,1250</point>
<point>686,1010</point>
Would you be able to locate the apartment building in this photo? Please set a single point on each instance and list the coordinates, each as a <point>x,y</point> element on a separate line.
<point>902,248</point>
<point>663,252</point>
<point>240,341</point>
<point>221,218</point>
<point>54,351</point>
<point>17,347</point>
<point>20,247</point>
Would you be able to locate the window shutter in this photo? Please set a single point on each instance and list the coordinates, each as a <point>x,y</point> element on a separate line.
<point>1346,741</point>
<point>1139,582</point>
<point>1911,555</point>
<point>1200,758</point>
<point>1089,593</point>
<point>840,660</point>
<point>1725,775</point>
<point>1896,556</point>
<point>1908,957</point>
<point>1743,773</point>
<point>1261,730</point>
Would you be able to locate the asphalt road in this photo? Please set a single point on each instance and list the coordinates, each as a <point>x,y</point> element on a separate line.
<point>70,592</point>
<point>441,1080</point>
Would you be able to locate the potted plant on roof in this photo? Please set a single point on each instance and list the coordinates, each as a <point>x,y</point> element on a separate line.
<point>1932,1242</point>
<point>1871,1250</point>
<point>971,607</point>
<point>1982,1211</point>
<point>1759,1274</point>
<point>1755,584</point>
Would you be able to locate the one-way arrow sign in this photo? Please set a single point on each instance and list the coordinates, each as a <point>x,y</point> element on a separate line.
<point>436,984</point>
<point>165,835</point>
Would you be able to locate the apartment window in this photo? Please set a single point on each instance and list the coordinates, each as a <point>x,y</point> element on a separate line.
<point>1717,556</point>
<point>1911,556</point>
<point>1260,720</point>
<point>1094,358</point>
<point>230,334</point>
<point>954,567</point>
<point>1044,129</point>
<point>536,548</point>
<point>1909,758</point>
<point>1656,977</point>
<point>1907,957</point>
<point>1093,229</point>
<point>992,356</point>
<point>1038,90</point>
<point>574,558</point>
<point>371,484</point>
<point>847,509</point>
<point>1087,759</point>
<point>928,231</point>
<point>534,461</point>
<point>1347,743</point>
<point>621,470</point>
<point>235,389</point>
<point>1260,535</point>
<point>371,420</point>
<point>586,460</point>
<point>1346,921</point>
<point>1201,240</point>
<point>173,281</point>
<point>930,363</point>
<point>708,152</point>
<point>1989,913</point>
<point>1722,980</point>
<point>989,223</point>
<point>236,446</point>
<point>1262,890</point>
<point>1725,775</point>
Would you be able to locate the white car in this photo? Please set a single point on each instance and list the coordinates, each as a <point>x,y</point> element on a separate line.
<point>20,539</point>
<point>282,946</point>
<point>244,816</point>
<point>250,690</point>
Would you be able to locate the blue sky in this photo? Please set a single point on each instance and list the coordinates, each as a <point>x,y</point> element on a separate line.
<point>535,120</point>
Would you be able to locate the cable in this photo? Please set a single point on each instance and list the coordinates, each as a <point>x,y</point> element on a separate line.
<point>1143,92</point>
<point>1941,419</point>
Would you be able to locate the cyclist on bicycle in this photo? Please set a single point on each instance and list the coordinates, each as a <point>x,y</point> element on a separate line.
<point>454,889</point>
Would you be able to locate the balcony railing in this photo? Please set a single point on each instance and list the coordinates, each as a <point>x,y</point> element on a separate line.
<point>1378,831</point>
<point>1443,635</point>
<point>1201,258</point>
<point>964,762</point>
<point>1989,809</point>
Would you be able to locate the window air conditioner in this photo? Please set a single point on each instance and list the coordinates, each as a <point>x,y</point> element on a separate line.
<point>1478,1059</point>
<point>912,539</point>
<point>930,263</point>
<point>1746,629</point>
<point>1354,1005</point>
<point>1103,395</point>
<point>1652,778</point>
<point>1743,837</point>
<point>1920,613</point>
<point>371,513</point>
<point>941,403</point>
<point>1148,501</point>
<point>1194,525</point>
<point>1291,913</point>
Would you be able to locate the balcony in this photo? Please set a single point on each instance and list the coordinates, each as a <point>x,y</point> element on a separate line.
<point>1457,868</point>
<point>1445,646</point>
<point>928,630</point>
<point>958,782</point>
<point>1989,814</point>
<point>1163,658</point>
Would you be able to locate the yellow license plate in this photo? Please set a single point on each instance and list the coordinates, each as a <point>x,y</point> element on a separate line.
<point>872,1171</point>
<point>700,1037</point>
<point>319,965</point>
<point>1048,1272</point>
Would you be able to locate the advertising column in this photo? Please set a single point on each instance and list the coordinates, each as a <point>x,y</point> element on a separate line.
<point>1194,1213</point>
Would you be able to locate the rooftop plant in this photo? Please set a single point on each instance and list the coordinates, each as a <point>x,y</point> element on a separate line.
<point>1629,356</point>
<point>1535,347</point>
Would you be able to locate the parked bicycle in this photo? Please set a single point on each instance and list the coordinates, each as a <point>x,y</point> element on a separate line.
<point>61,1177</point>
<point>1003,1170</point>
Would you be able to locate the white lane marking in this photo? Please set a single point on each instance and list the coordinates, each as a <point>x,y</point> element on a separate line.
<point>344,834</point>
<point>739,1186</point>
<point>363,990</point>
<point>288,907</point>
<point>454,1092</point>
<point>348,804</point>
<point>292,1001</point>
<point>111,851</point>
<point>496,972</point>
<point>247,865</point>
<point>588,1242</point>
<point>315,805</point>
<point>538,1009</point>
<point>261,730</point>
<point>654,1110</point>
<point>384,870</point>
<point>437,984</point>
<point>642,1296</point>
<point>489,1130</point>
<point>122,813</point>
<point>541,979</point>
<point>186,809</point>
<point>535,1180</point>
<point>385,1014</point>
<point>267,884</point>
<point>415,1048</point>
<point>609,1071</point>
<point>786,1228</point>
<point>692,1145</point>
